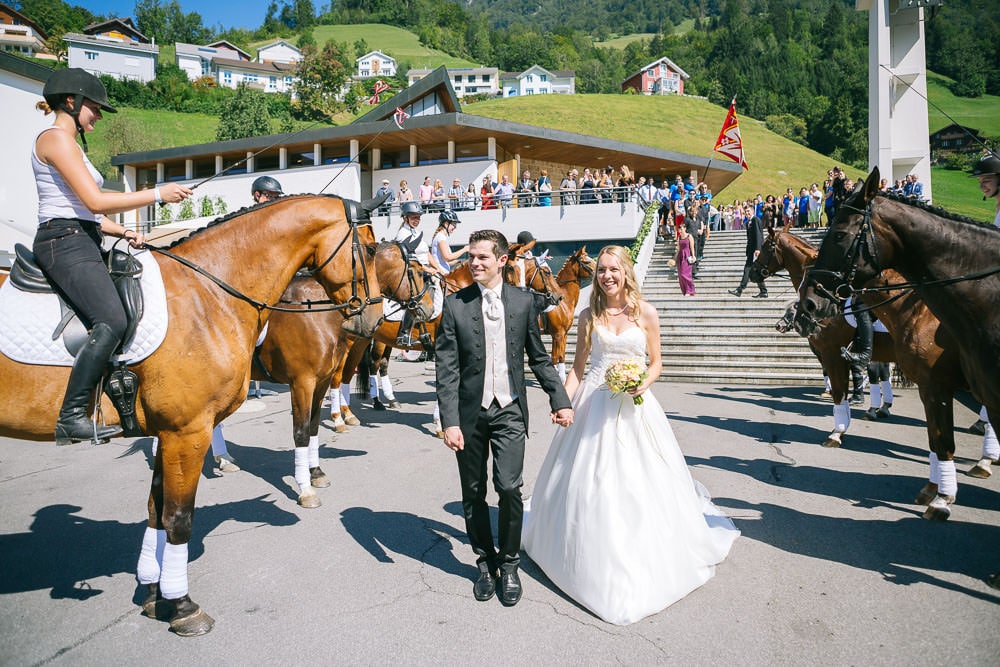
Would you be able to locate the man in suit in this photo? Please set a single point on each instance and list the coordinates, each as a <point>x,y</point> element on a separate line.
<point>485,332</point>
<point>755,241</point>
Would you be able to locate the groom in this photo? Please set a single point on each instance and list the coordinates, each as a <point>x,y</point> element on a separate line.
<point>485,331</point>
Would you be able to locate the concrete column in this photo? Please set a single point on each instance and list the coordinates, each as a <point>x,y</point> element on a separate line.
<point>491,148</point>
<point>355,150</point>
<point>283,158</point>
<point>451,152</point>
<point>250,163</point>
<point>189,169</point>
<point>376,159</point>
<point>160,172</point>
<point>218,164</point>
<point>413,155</point>
<point>317,154</point>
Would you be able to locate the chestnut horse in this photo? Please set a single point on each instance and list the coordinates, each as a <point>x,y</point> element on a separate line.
<point>952,263</point>
<point>300,350</point>
<point>220,283</point>
<point>925,352</point>
<point>558,321</point>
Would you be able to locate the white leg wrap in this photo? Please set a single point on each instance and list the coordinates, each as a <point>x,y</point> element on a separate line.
<point>991,446</point>
<point>935,476</point>
<point>302,467</point>
<point>218,442</point>
<point>826,383</point>
<point>156,444</point>
<point>150,556</point>
<point>886,392</point>
<point>345,395</point>
<point>335,401</point>
<point>387,391</point>
<point>314,451</point>
<point>841,417</point>
<point>437,413</point>
<point>875,393</point>
<point>561,369</point>
<point>174,574</point>
<point>373,387</point>
<point>948,486</point>
<point>982,414</point>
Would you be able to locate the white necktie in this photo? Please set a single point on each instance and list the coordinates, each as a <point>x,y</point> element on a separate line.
<point>492,305</point>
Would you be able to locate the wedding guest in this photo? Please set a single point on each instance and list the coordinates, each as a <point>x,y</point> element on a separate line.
<point>684,261</point>
<point>486,194</point>
<point>544,186</point>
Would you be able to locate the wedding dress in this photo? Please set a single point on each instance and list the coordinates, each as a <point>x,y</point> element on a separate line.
<point>615,520</point>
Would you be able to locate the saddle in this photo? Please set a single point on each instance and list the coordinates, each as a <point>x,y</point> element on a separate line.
<point>121,384</point>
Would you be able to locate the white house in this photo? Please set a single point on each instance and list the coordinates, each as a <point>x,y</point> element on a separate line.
<point>269,77</point>
<point>536,80</point>
<point>465,80</point>
<point>115,48</point>
<point>19,34</point>
<point>196,60</point>
<point>375,64</point>
<point>279,51</point>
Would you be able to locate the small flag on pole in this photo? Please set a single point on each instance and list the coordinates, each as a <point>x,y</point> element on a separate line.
<point>400,116</point>
<point>379,88</point>
<point>730,143</point>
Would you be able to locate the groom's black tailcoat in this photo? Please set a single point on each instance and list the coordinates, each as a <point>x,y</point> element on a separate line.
<point>460,349</point>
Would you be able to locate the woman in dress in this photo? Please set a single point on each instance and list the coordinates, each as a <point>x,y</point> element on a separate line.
<point>544,188</point>
<point>615,520</point>
<point>469,198</point>
<point>486,194</point>
<point>587,185</point>
<point>405,193</point>
<point>684,260</point>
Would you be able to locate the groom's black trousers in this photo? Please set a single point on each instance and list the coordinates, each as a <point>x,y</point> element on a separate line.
<point>500,431</point>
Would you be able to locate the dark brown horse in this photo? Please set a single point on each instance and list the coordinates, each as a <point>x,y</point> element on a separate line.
<point>952,264</point>
<point>924,351</point>
<point>201,371</point>
<point>300,350</point>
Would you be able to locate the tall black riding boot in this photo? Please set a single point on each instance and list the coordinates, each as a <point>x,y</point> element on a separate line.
<point>862,345</point>
<point>74,423</point>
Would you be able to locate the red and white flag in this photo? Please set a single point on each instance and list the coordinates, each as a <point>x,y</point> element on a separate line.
<point>379,88</point>
<point>400,116</point>
<point>730,143</point>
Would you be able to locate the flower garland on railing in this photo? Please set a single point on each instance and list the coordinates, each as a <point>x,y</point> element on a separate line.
<point>644,229</point>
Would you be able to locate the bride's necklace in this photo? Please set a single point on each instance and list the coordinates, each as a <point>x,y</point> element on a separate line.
<point>620,311</point>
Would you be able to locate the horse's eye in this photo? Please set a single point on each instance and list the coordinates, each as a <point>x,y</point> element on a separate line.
<point>840,236</point>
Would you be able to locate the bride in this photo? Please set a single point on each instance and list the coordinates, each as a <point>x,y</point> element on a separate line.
<point>615,520</point>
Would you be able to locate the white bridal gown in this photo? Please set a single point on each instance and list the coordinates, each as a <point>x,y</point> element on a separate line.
<point>615,520</point>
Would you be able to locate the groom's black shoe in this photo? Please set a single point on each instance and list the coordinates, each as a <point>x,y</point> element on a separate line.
<point>485,585</point>
<point>510,588</point>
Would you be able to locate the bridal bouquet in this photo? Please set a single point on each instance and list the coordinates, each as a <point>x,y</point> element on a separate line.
<point>626,374</point>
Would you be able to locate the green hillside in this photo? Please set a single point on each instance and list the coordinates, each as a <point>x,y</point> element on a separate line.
<point>981,113</point>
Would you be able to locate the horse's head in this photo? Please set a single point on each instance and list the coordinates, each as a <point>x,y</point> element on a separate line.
<point>578,267</point>
<point>534,275</point>
<point>404,279</point>
<point>848,258</point>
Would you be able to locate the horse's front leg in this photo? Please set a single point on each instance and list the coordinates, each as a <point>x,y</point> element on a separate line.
<point>991,448</point>
<point>559,350</point>
<point>163,559</point>
<point>942,488</point>
<point>837,372</point>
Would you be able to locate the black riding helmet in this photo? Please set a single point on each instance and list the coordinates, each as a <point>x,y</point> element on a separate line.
<point>448,216</point>
<point>410,208</point>
<point>988,164</point>
<point>266,184</point>
<point>525,237</point>
<point>79,84</point>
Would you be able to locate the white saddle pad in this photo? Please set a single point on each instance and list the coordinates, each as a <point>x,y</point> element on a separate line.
<point>393,311</point>
<point>27,321</point>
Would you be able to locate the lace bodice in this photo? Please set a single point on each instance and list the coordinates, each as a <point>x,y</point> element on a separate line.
<point>607,347</point>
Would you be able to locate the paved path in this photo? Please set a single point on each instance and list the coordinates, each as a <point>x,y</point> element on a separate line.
<point>835,565</point>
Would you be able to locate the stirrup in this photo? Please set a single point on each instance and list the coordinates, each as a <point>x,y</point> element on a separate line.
<point>122,386</point>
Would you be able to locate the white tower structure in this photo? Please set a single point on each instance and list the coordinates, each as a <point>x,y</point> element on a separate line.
<point>898,134</point>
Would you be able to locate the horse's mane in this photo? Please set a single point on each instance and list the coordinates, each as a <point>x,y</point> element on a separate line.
<point>924,206</point>
<point>243,211</point>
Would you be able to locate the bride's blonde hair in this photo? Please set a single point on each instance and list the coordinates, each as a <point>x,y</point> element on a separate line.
<point>633,296</point>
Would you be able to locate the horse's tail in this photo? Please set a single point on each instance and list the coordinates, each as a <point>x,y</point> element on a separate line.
<point>364,372</point>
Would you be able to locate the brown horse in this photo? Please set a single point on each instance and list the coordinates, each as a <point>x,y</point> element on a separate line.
<point>924,351</point>
<point>952,263</point>
<point>220,284</point>
<point>299,350</point>
<point>558,321</point>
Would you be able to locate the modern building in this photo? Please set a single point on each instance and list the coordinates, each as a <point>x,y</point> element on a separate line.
<point>270,77</point>
<point>280,52</point>
<point>115,48</point>
<point>660,77</point>
<point>375,64</point>
<point>20,35</point>
<point>537,80</point>
<point>465,80</point>
<point>197,61</point>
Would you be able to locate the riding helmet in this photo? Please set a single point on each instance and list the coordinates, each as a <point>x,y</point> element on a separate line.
<point>525,237</point>
<point>448,216</point>
<point>266,184</point>
<point>78,82</point>
<point>410,208</point>
<point>988,164</point>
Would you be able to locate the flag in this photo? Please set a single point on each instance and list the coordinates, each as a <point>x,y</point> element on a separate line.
<point>400,116</point>
<point>380,87</point>
<point>730,143</point>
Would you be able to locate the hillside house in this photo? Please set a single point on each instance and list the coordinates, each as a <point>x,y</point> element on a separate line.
<point>115,48</point>
<point>465,80</point>
<point>269,77</point>
<point>955,139</point>
<point>375,64</point>
<point>536,80</point>
<point>196,60</point>
<point>280,52</point>
<point>20,35</point>
<point>660,77</point>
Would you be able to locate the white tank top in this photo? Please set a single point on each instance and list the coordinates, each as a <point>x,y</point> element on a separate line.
<point>436,251</point>
<point>55,198</point>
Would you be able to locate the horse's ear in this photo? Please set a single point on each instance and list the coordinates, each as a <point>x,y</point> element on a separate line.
<point>370,205</point>
<point>871,184</point>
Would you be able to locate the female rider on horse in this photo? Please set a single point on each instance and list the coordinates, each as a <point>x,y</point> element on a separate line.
<point>71,215</point>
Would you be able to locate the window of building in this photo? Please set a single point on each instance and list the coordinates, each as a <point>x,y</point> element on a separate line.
<point>472,152</point>
<point>486,78</point>
<point>530,78</point>
<point>91,55</point>
<point>366,72</point>
<point>204,167</point>
<point>529,91</point>
<point>272,83</point>
<point>269,161</point>
<point>227,77</point>
<point>432,154</point>
<point>543,77</point>
<point>458,78</point>
<point>234,164</point>
<point>173,171</point>
<point>396,159</point>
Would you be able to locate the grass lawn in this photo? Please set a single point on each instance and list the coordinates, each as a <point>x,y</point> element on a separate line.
<point>981,113</point>
<point>958,192</point>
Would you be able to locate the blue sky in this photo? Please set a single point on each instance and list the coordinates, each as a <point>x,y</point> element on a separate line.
<point>230,13</point>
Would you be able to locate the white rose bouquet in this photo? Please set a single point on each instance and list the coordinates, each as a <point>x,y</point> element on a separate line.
<point>626,374</point>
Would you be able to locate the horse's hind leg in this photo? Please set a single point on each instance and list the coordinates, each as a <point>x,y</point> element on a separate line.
<point>317,478</point>
<point>303,391</point>
<point>941,489</point>
<point>385,382</point>
<point>991,449</point>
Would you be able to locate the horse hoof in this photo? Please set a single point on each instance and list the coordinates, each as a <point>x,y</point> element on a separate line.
<point>981,470</point>
<point>310,500</point>
<point>993,581</point>
<point>394,404</point>
<point>439,435</point>
<point>870,415</point>
<point>926,495</point>
<point>190,620</point>
<point>826,394</point>
<point>883,412</point>
<point>154,606</point>
<point>378,405</point>
<point>318,478</point>
<point>340,427</point>
<point>938,510</point>
<point>833,441</point>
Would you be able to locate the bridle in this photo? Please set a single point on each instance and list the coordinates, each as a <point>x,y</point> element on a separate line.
<point>551,297</point>
<point>863,244</point>
<point>583,273</point>
<point>409,274</point>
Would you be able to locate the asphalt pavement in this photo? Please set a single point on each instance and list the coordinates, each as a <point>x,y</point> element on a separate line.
<point>835,565</point>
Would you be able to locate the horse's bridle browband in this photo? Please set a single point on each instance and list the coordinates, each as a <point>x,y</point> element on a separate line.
<point>353,306</point>
<point>579,278</point>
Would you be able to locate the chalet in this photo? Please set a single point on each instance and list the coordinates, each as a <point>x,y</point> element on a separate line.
<point>465,80</point>
<point>115,48</point>
<point>537,80</point>
<point>197,60</point>
<point>955,138</point>
<point>661,77</point>
<point>20,35</point>
<point>375,64</point>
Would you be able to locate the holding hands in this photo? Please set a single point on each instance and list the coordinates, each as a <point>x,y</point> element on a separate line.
<point>563,416</point>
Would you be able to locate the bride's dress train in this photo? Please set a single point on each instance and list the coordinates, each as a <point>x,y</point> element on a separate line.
<point>615,520</point>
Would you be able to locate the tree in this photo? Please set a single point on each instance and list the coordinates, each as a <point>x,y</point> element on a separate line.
<point>320,79</point>
<point>244,115</point>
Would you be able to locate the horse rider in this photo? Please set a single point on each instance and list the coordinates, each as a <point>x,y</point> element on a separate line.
<point>72,210</point>
<point>265,188</point>
<point>987,171</point>
<point>412,238</point>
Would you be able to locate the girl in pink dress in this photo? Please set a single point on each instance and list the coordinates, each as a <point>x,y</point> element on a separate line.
<point>684,261</point>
